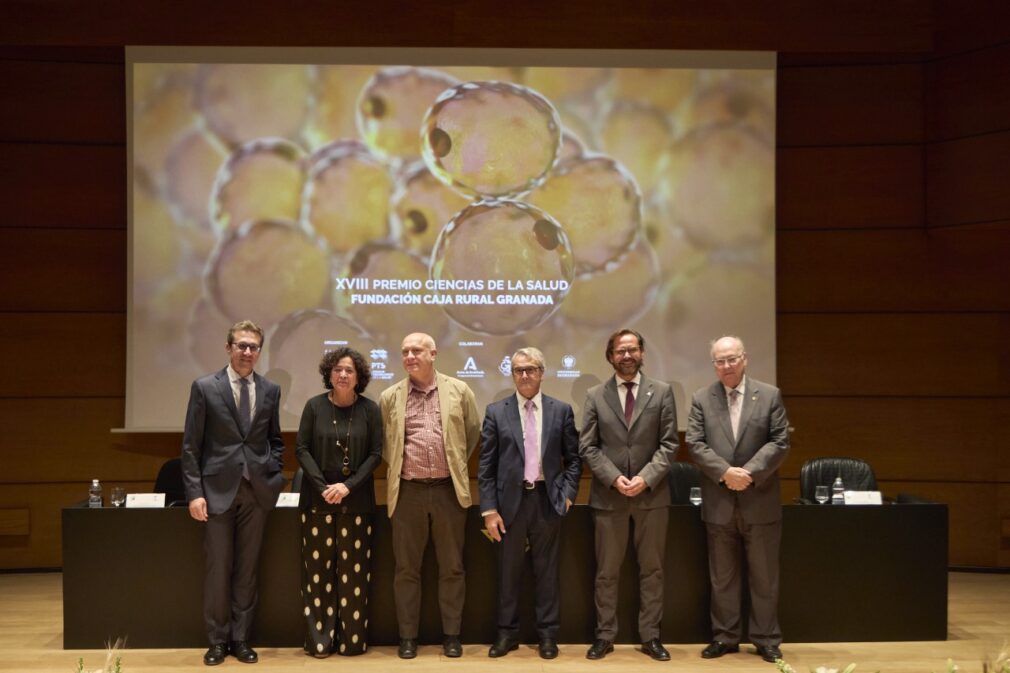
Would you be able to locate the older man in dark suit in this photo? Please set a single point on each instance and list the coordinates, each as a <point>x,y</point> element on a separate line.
<point>738,435</point>
<point>629,440</point>
<point>232,452</point>
<point>528,477</point>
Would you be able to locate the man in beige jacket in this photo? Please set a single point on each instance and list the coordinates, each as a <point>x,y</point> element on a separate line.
<point>430,428</point>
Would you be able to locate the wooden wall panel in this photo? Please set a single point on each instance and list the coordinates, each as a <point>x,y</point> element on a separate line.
<point>1003,497</point>
<point>77,270</point>
<point>968,94</point>
<point>903,438</point>
<point>853,105</point>
<point>62,102</point>
<point>784,25</point>
<point>945,269</point>
<point>966,180</point>
<point>901,355</point>
<point>62,186</point>
<point>63,355</point>
<point>970,26</point>
<point>849,187</point>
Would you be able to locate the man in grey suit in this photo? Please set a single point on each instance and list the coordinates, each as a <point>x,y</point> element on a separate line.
<point>738,435</point>
<point>232,453</point>
<point>629,440</point>
<point>529,475</point>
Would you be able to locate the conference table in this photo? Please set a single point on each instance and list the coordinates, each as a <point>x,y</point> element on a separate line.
<point>848,573</point>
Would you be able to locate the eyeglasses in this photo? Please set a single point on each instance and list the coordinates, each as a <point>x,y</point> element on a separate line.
<point>621,352</point>
<point>526,371</point>
<point>246,346</point>
<point>728,362</point>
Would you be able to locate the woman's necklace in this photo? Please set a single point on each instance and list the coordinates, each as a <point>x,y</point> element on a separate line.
<point>345,447</point>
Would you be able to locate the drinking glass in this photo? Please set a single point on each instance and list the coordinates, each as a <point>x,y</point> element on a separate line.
<point>821,494</point>
<point>118,496</point>
<point>695,495</point>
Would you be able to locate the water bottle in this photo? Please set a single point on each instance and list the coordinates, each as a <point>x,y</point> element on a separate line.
<point>95,494</point>
<point>838,492</point>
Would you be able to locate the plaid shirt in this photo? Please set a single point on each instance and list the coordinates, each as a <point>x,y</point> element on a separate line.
<point>423,451</point>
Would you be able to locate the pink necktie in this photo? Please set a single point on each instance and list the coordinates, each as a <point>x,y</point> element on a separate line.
<point>532,468</point>
<point>629,402</point>
<point>734,411</point>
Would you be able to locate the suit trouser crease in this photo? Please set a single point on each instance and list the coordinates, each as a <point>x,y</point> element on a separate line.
<point>336,570</point>
<point>612,528</point>
<point>541,525</point>
<point>232,542</point>
<point>761,544</point>
<point>423,511</point>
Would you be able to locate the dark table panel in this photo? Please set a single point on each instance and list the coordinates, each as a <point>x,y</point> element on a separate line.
<point>854,573</point>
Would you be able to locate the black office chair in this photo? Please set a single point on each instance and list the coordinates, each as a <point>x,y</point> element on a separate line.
<point>296,481</point>
<point>169,482</point>
<point>857,475</point>
<point>682,477</point>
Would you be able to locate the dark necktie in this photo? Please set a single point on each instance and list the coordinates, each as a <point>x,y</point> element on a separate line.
<point>629,402</point>
<point>244,410</point>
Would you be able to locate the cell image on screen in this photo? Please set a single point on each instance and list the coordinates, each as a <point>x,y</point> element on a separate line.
<point>490,207</point>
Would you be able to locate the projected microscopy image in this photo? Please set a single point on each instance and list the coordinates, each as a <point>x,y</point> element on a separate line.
<point>491,139</point>
<point>598,204</point>
<point>389,323</point>
<point>561,84</point>
<point>392,106</point>
<point>267,269</point>
<point>334,115</point>
<point>720,182</point>
<point>422,205</point>
<point>242,102</point>
<point>732,101</point>
<point>190,169</point>
<point>508,241</point>
<point>352,203</point>
<point>262,180</point>
<point>638,136</point>
<point>296,347</point>
<point>346,197</point>
<point>627,287</point>
<point>160,119</point>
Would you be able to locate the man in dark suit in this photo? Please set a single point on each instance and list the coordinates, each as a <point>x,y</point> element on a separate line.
<point>232,452</point>
<point>528,477</point>
<point>629,440</point>
<point>739,435</point>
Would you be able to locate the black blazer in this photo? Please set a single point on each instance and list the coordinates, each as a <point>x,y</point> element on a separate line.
<point>214,450</point>
<point>502,456</point>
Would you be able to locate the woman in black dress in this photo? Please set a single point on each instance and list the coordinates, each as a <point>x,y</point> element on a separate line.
<point>339,445</point>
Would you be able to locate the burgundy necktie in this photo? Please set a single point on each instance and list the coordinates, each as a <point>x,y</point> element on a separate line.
<point>629,402</point>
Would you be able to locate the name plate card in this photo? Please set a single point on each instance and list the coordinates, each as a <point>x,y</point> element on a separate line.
<point>863,498</point>
<point>288,499</point>
<point>142,500</point>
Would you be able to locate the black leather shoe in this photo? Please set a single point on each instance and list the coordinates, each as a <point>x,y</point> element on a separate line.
<point>452,647</point>
<point>243,652</point>
<point>548,648</point>
<point>408,648</point>
<point>717,648</point>
<point>769,652</point>
<point>655,649</point>
<point>599,649</point>
<point>216,654</point>
<point>502,646</point>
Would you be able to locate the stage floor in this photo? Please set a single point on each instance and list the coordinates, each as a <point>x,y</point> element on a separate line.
<point>31,639</point>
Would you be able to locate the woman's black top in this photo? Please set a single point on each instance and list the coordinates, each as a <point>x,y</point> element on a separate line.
<point>322,460</point>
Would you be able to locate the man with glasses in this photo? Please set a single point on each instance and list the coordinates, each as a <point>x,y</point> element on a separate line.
<point>738,435</point>
<point>232,453</point>
<point>528,477</point>
<point>629,440</point>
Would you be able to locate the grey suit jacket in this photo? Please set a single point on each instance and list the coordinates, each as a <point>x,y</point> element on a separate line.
<point>646,447</point>
<point>214,450</point>
<point>760,448</point>
<point>503,456</point>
